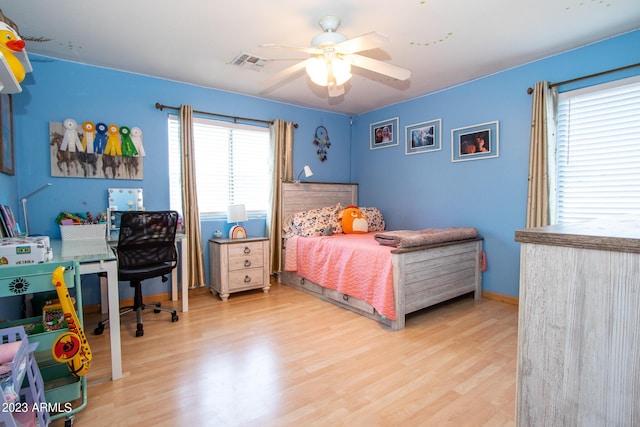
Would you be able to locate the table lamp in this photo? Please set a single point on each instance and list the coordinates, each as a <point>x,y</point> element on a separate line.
<point>24,206</point>
<point>237,213</point>
<point>307,173</point>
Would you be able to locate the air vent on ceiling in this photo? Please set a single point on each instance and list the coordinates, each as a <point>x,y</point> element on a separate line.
<point>246,60</point>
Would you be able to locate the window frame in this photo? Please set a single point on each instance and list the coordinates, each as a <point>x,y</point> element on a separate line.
<point>175,164</point>
<point>556,180</point>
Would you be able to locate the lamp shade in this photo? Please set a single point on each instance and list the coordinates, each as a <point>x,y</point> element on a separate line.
<point>341,71</point>
<point>306,170</point>
<point>236,213</point>
<point>318,70</point>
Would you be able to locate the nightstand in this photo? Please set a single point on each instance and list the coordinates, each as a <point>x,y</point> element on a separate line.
<point>239,265</point>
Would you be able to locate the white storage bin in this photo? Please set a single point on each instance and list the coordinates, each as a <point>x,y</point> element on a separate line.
<point>83,231</point>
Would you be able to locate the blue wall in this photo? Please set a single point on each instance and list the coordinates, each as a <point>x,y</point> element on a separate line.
<point>429,190</point>
<point>418,191</point>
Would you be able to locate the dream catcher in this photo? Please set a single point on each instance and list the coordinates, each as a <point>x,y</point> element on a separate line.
<point>322,142</point>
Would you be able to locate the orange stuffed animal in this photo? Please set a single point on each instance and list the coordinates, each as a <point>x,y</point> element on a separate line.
<point>353,221</point>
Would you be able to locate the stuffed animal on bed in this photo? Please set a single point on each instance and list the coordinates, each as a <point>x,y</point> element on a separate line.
<point>353,221</point>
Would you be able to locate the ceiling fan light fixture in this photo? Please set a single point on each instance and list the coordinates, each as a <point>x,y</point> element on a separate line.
<point>332,55</point>
<point>318,71</point>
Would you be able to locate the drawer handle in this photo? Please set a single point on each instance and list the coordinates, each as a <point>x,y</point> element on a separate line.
<point>302,281</point>
<point>247,250</point>
<point>247,263</point>
<point>247,279</point>
<point>345,297</point>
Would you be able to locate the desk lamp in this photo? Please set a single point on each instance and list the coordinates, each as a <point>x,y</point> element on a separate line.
<point>237,213</point>
<point>307,173</point>
<point>24,206</point>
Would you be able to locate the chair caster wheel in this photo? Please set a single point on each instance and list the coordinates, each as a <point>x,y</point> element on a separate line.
<point>139,331</point>
<point>174,317</point>
<point>98,331</point>
<point>157,309</point>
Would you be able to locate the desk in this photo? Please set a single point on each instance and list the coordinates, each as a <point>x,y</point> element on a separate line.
<point>181,239</point>
<point>96,256</point>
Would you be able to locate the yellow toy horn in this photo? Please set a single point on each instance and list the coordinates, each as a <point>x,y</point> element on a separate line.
<point>70,347</point>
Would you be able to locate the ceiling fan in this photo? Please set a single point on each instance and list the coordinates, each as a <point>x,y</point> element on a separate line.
<point>333,54</point>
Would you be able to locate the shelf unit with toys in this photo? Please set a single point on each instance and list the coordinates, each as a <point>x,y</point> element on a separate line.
<point>61,386</point>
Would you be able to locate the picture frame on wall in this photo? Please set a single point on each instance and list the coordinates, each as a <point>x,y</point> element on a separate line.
<point>98,163</point>
<point>475,142</point>
<point>6,135</point>
<point>423,137</point>
<point>383,134</point>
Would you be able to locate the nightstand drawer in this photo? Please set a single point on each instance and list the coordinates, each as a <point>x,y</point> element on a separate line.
<point>245,262</point>
<point>245,249</point>
<point>251,277</point>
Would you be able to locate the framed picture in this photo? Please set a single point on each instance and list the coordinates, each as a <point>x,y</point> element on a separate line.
<point>6,135</point>
<point>423,137</point>
<point>383,134</point>
<point>475,142</point>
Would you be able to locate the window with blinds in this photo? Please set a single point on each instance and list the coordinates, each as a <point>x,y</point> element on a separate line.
<point>232,164</point>
<point>598,152</point>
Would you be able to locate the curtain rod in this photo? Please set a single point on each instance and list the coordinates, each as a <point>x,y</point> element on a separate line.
<point>246,119</point>
<point>626,67</point>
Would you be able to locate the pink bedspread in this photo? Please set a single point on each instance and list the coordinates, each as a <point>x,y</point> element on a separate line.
<point>353,264</point>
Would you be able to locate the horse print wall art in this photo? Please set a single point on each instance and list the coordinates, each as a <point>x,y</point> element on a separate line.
<point>95,150</point>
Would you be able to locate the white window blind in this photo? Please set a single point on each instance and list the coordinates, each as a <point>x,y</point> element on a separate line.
<point>598,152</point>
<point>232,165</point>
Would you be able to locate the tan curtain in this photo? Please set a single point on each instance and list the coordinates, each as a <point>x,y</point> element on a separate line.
<point>282,151</point>
<point>190,200</point>
<point>542,130</point>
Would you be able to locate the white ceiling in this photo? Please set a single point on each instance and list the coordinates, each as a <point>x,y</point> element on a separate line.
<point>443,42</point>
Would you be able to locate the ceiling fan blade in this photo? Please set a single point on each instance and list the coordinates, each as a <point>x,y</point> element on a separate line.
<point>379,67</point>
<point>335,90</point>
<point>364,42</point>
<point>311,50</point>
<point>286,72</point>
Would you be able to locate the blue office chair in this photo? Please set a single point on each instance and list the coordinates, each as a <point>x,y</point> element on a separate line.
<point>146,249</point>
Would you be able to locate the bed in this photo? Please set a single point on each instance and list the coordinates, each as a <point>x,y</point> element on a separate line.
<point>418,276</point>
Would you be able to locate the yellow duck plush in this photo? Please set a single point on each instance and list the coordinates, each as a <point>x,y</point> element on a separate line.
<point>14,62</point>
<point>353,221</point>
<point>10,43</point>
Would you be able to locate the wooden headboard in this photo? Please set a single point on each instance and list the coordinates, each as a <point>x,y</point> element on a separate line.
<point>303,196</point>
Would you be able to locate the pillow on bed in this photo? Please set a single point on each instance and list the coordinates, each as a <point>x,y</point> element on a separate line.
<point>314,221</point>
<point>374,218</point>
<point>353,221</point>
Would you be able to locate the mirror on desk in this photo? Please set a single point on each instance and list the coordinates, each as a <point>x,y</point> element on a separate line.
<point>121,200</point>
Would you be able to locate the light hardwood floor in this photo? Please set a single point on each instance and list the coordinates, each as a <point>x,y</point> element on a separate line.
<point>288,359</point>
